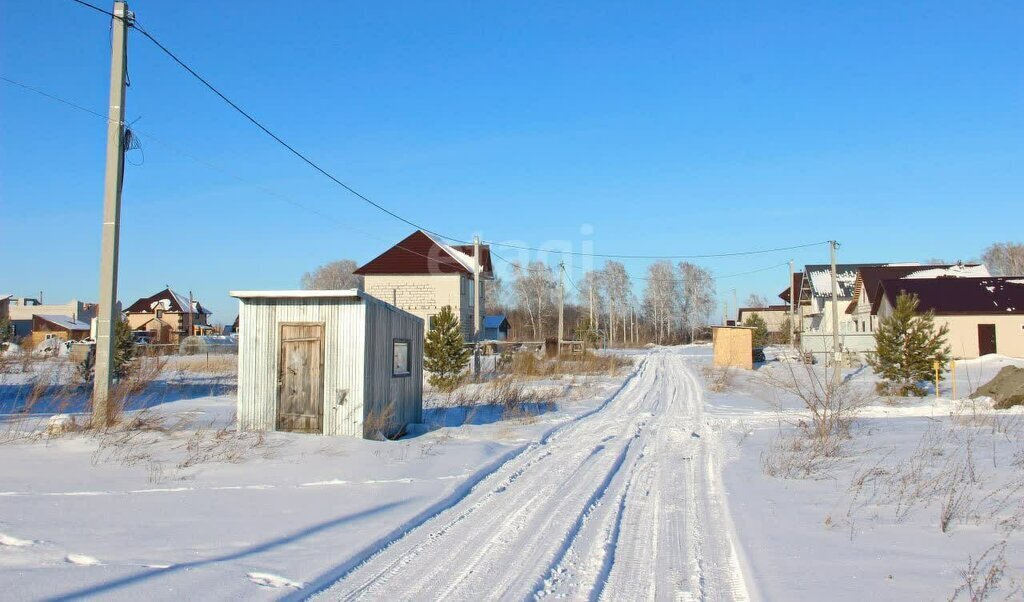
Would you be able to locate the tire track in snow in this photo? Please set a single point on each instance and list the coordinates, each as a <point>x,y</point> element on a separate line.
<point>618,504</point>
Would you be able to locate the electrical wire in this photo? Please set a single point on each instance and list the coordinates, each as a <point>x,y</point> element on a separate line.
<point>135,25</point>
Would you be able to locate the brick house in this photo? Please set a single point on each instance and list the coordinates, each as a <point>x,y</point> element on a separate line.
<point>165,317</point>
<point>421,275</point>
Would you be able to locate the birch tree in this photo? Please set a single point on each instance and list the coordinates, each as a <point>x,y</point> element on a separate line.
<point>698,291</point>
<point>755,300</point>
<point>1005,259</point>
<point>617,286</point>
<point>592,299</point>
<point>336,275</point>
<point>535,290</point>
<point>662,298</point>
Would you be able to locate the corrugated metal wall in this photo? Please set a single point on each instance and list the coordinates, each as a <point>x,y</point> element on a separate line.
<point>386,395</point>
<point>344,366</point>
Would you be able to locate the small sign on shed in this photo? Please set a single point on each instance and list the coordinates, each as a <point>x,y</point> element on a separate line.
<point>733,346</point>
<point>332,362</point>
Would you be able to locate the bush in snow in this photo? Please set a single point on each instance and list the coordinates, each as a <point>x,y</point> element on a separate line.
<point>906,346</point>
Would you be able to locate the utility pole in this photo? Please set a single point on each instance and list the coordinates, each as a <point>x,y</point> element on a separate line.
<point>792,307</point>
<point>561,303</point>
<point>837,376</point>
<point>102,411</point>
<point>725,313</point>
<point>476,304</point>
<point>476,289</point>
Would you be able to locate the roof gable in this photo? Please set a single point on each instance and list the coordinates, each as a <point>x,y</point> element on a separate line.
<point>169,301</point>
<point>817,281</point>
<point>420,253</point>
<point>869,277</point>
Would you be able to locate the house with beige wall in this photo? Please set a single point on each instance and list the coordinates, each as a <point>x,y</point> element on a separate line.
<point>21,311</point>
<point>167,317</point>
<point>421,275</point>
<point>984,315</point>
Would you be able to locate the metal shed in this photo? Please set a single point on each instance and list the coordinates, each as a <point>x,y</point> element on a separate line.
<point>333,362</point>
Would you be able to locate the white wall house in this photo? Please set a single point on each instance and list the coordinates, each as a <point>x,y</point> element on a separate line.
<point>818,309</point>
<point>331,362</point>
<point>421,275</point>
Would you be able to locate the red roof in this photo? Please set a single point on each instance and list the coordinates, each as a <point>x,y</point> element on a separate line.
<point>798,280</point>
<point>419,253</point>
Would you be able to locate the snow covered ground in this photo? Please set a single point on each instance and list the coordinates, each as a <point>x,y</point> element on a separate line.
<point>640,486</point>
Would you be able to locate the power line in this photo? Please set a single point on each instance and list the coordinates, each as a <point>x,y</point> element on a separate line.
<point>135,24</point>
<point>221,170</point>
<point>619,256</point>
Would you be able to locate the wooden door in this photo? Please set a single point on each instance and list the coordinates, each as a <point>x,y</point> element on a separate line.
<point>300,398</point>
<point>986,339</point>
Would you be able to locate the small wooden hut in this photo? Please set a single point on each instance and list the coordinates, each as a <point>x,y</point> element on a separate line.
<point>733,346</point>
<point>331,362</point>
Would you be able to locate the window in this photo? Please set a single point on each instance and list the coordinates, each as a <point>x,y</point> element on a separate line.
<point>400,361</point>
<point>159,313</point>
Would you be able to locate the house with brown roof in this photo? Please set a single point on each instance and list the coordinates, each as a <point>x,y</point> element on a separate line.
<point>984,315</point>
<point>868,278</point>
<point>817,308</point>
<point>57,327</point>
<point>422,274</point>
<point>167,317</point>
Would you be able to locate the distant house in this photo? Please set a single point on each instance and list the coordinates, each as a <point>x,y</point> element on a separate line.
<point>421,275</point>
<point>57,327</point>
<point>166,317</point>
<point>21,311</point>
<point>495,328</point>
<point>817,308</point>
<point>984,315</point>
<point>775,316</point>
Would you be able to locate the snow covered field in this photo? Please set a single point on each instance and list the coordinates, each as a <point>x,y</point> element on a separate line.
<point>640,486</point>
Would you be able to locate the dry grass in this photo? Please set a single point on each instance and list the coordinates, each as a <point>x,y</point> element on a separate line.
<point>984,576</point>
<point>526,364</point>
<point>380,423</point>
<point>222,364</point>
<point>717,379</point>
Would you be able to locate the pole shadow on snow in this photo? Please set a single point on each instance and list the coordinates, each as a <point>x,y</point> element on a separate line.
<point>110,586</point>
<point>29,399</point>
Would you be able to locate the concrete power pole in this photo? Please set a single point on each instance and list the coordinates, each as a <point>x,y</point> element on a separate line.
<point>476,289</point>
<point>837,376</point>
<point>561,304</point>
<point>102,411</point>
<point>792,307</point>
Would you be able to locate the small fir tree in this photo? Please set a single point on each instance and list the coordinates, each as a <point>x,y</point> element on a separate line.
<point>760,329</point>
<point>124,349</point>
<point>786,334</point>
<point>444,353</point>
<point>906,346</point>
<point>5,329</point>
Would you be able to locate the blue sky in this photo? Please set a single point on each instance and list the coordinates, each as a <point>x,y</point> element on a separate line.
<point>662,128</point>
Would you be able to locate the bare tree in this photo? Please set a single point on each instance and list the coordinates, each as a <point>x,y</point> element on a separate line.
<point>698,297</point>
<point>534,289</point>
<point>755,300</point>
<point>336,275</point>
<point>662,298</point>
<point>591,288</point>
<point>617,286</point>
<point>494,295</point>
<point>1005,259</point>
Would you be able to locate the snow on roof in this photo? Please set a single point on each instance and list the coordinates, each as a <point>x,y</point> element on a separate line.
<point>63,321</point>
<point>183,303</point>
<point>953,271</point>
<point>820,279</point>
<point>464,259</point>
<point>350,293</point>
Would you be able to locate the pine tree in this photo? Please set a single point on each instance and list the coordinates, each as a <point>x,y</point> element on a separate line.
<point>906,346</point>
<point>760,329</point>
<point>124,348</point>
<point>444,353</point>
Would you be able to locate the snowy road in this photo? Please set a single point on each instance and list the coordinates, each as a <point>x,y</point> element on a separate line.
<point>621,504</point>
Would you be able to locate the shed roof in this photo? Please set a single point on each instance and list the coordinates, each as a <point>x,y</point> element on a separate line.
<point>349,293</point>
<point>495,321</point>
<point>957,296</point>
<point>63,322</point>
